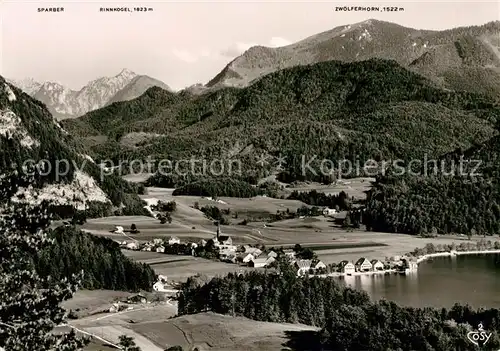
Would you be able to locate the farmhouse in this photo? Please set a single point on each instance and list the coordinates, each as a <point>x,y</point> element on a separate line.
<point>347,267</point>
<point>132,246</point>
<point>363,265</point>
<point>246,257</point>
<point>173,240</point>
<point>377,265</point>
<point>302,267</point>
<point>118,230</point>
<point>318,265</point>
<point>159,286</point>
<point>328,212</point>
<point>160,248</point>
<point>409,265</point>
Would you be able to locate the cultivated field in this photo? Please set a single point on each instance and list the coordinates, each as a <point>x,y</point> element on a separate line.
<point>356,187</point>
<point>109,326</point>
<point>86,302</point>
<point>204,331</point>
<point>179,268</point>
<point>331,242</point>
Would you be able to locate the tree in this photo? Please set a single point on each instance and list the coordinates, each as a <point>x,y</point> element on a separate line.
<point>347,222</point>
<point>133,228</point>
<point>306,254</point>
<point>30,308</point>
<point>174,348</point>
<point>127,343</point>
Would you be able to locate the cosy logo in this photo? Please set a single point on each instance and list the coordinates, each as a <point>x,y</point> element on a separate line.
<point>480,336</point>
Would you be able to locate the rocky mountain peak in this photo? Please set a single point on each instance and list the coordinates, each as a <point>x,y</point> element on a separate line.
<point>63,102</point>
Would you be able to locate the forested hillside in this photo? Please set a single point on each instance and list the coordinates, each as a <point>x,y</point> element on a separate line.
<point>373,109</point>
<point>454,197</point>
<point>29,134</point>
<point>103,263</point>
<point>349,320</point>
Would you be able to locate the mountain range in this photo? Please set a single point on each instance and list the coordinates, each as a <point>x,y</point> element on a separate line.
<point>64,103</point>
<point>370,91</point>
<point>373,109</point>
<point>465,58</point>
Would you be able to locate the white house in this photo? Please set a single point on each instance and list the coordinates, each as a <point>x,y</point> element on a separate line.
<point>173,240</point>
<point>160,249</point>
<point>272,254</point>
<point>159,286</point>
<point>377,265</point>
<point>246,258</point>
<point>363,265</point>
<point>328,212</point>
<point>132,246</point>
<point>347,267</point>
<point>118,230</point>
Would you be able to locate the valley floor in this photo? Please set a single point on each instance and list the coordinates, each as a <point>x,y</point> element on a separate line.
<point>204,331</point>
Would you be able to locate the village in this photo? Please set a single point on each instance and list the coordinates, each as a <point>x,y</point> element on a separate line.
<point>303,260</point>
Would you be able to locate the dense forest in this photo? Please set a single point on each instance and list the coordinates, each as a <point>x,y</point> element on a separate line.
<point>459,195</point>
<point>349,320</point>
<point>218,187</point>
<point>104,265</point>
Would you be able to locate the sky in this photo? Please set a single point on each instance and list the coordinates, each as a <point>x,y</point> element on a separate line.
<point>184,42</point>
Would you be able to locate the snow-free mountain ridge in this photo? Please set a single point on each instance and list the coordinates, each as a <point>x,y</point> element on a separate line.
<point>459,58</point>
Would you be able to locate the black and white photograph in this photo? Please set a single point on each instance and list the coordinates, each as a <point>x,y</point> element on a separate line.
<point>249,175</point>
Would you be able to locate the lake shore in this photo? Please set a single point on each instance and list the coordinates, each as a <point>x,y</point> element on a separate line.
<point>456,253</point>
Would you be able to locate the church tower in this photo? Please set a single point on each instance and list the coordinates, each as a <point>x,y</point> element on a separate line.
<point>218,231</point>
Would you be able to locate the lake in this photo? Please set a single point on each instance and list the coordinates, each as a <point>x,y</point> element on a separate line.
<point>440,282</point>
